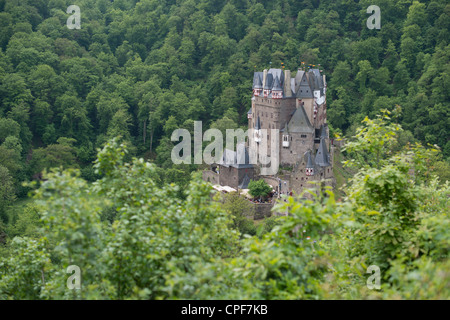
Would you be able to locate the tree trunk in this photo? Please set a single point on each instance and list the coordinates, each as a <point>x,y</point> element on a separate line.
<point>151,140</point>
<point>144,134</point>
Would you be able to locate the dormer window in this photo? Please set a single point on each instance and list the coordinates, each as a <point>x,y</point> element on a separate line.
<point>277,94</point>
<point>257,92</point>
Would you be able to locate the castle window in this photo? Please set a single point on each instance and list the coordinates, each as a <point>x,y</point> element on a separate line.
<point>304,136</point>
<point>285,141</point>
<point>303,178</point>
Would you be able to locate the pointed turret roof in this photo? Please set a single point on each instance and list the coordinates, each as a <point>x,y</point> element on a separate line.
<point>322,154</point>
<point>257,83</point>
<point>285,130</point>
<point>257,78</point>
<point>303,88</point>
<point>269,82</point>
<point>277,85</point>
<point>309,163</point>
<point>277,73</point>
<point>300,122</point>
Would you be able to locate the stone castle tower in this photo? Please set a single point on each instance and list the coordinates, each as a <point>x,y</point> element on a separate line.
<point>297,107</point>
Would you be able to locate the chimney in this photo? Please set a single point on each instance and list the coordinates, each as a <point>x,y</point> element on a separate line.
<point>287,83</point>
<point>264,77</point>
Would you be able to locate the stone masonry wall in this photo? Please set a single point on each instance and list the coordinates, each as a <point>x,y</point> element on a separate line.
<point>210,176</point>
<point>262,210</point>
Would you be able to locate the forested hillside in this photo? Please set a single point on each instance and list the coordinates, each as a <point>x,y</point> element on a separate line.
<point>138,70</point>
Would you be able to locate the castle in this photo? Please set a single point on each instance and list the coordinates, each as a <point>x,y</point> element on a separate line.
<point>297,108</point>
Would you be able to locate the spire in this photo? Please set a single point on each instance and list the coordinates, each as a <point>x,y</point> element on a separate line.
<point>258,83</point>
<point>277,90</point>
<point>309,163</point>
<point>322,154</point>
<point>277,85</point>
<point>257,80</point>
<point>269,82</point>
<point>303,88</point>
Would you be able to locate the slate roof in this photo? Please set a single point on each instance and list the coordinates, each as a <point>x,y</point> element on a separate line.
<point>322,155</point>
<point>269,82</point>
<point>323,132</point>
<point>277,85</point>
<point>293,86</point>
<point>304,89</point>
<point>277,73</point>
<point>309,162</point>
<point>298,77</point>
<point>300,122</point>
<point>318,78</point>
<point>303,85</point>
<point>257,80</point>
<point>236,159</point>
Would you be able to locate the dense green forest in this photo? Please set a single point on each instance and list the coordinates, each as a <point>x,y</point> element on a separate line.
<point>101,102</point>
